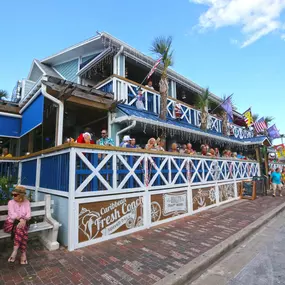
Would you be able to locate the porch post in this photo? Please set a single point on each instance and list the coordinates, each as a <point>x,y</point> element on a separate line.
<point>72,230</point>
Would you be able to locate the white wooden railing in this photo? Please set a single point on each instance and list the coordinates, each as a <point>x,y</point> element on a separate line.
<point>126,90</point>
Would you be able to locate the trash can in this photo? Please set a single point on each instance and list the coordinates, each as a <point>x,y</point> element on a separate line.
<point>260,182</point>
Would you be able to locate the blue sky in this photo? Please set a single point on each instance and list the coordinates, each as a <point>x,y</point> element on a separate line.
<point>228,46</point>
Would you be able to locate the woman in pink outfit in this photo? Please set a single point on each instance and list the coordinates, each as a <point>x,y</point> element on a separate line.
<point>19,213</point>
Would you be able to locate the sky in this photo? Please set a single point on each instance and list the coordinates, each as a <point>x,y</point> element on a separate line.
<point>230,46</point>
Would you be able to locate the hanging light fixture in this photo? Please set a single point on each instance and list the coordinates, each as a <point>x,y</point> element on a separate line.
<point>183,95</point>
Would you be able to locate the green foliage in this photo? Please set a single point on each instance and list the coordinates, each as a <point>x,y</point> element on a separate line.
<point>203,100</point>
<point>162,47</point>
<point>268,119</point>
<point>5,185</point>
<point>3,94</point>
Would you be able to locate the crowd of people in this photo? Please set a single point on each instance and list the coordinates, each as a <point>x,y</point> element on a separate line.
<point>156,145</point>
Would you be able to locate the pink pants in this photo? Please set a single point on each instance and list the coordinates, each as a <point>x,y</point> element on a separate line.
<point>21,235</point>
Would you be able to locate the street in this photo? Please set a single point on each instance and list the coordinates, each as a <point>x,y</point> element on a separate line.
<point>259,260</point>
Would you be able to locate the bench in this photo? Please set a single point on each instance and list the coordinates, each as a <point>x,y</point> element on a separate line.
<point>48,229</point>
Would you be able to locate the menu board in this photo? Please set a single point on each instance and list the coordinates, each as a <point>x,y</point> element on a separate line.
<point>248,190</point>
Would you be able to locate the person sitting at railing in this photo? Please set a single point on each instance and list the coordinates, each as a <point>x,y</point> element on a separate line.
<point>19,214</point>
<point>160,144</point>
<point>240,156</point>
<point>234,155</point>
<point>151,144</point>
<point>149,85</point>
<point>189,149</point>
<point>132,143</point>
<point>87,132</point>
<point>104,140</point>
<point>126,141</point>
<point>174,148</point>
<point>211,152</point>
<point>217,152</point>
<point>204,150</point>
<point>182,150</point>
<point>5,153</point>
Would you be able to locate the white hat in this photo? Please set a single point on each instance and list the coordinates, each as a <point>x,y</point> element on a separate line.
<point>126,138</point>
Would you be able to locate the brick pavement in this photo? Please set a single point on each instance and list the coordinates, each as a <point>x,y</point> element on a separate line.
<point>141,258</point>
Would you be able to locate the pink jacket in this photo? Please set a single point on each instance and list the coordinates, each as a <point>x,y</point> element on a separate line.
<point>19,210</point>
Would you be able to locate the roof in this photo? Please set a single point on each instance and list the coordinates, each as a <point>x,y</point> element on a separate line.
<point>103,40</point>
<point>152,118</point>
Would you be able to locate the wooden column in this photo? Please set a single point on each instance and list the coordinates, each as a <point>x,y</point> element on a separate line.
<point>31,142</point>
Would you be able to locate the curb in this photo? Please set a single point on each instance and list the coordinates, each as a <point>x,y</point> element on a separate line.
<point>189,271</point>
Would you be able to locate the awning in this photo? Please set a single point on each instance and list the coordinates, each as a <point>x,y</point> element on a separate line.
<point>32,115</point>
<point>10,125</point>
<point>132,114</point>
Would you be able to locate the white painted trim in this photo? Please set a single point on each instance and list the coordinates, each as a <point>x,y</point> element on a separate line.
<point>60,115</point>
<point>10,115</point>
<point>56,71</point>
<point>71,200</point>
<point>53,192</point>
<point>71,48</point>
<point>131,126</point>
<point>95,60</point>
<point>38,177</point>
<point>30,101</point>
<point>30,130</point>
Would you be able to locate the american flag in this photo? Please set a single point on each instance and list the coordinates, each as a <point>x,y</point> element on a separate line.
<point>260,125</point>
<point>154,67</point>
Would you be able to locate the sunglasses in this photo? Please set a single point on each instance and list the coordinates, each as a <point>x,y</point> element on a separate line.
<point>15,195</point>
<point>103,133</point>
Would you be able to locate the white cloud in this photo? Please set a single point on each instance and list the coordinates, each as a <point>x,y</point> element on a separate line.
<point>256,18</point>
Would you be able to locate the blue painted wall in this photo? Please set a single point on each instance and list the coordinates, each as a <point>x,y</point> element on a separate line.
<point>68,70</point>
<point>10,126</point>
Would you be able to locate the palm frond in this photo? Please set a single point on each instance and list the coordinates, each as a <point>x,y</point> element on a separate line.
<point>162,46</point>
<point>3,94</point>
<point>255,117</point>
<point>203,100</point>
<point>268,119</point>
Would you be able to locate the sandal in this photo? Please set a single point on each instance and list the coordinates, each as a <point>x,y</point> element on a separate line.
<point>11,259</point>
<point>23,262</point>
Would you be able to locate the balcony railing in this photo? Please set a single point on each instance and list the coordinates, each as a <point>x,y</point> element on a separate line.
<point>86,179</point>
<point>126,90</point>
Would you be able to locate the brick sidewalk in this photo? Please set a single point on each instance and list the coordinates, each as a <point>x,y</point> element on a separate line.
<point>141,258</point>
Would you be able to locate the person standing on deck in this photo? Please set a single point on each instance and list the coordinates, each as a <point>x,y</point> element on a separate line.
<point>6,153</point>
<point>105,140</point>
<point>276,182</point>
<point>149,85</point>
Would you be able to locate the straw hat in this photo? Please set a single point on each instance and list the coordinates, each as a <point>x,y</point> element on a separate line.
<point>19,190</point>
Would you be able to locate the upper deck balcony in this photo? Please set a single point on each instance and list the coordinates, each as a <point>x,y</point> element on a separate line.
<point>126,90</point>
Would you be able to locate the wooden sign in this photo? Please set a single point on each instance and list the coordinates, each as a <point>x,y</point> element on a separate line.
<point>167,205</point>
<point>203,197</point>
<point>104,218</point>
<point>248,190</point>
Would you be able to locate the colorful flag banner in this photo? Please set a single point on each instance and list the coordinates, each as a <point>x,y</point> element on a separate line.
<point>273,132</point>
<point>247,115</point>
<point>260,125</point>
<point>227,106</point>
<point>154,67</point>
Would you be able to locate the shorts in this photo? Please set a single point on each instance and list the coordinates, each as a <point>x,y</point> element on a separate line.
<point>276,186</point>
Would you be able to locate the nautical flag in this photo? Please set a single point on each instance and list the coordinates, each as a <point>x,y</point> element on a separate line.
<point>247,116</point>
<point>154,67</point>
<point>227,106</point>
<point>260,125</point>
<point>273,132</point>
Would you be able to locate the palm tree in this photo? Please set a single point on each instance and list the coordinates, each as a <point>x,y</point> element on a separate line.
<point>255,117</point>
<point>268,119</point>
<point>203,103</point>
<point>162,47</point>
<point>3,94</point>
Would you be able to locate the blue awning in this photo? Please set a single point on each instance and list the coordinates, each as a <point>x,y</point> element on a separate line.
<point>153,118</point>
<point>10,126</point>
<point>33,115</point>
